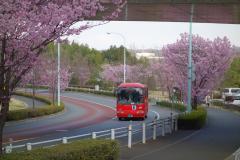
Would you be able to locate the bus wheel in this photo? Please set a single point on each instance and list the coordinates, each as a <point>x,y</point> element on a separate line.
<point>146,116</point>
<point>119,118</point>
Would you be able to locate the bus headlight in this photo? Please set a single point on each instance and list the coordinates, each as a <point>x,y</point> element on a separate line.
<point>140,112</point>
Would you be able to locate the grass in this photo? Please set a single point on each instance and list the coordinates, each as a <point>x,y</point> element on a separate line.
<point>16,104</point>
<point>25,113</point>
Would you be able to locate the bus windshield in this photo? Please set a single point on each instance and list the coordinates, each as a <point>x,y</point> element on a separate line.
<point>130,95</point>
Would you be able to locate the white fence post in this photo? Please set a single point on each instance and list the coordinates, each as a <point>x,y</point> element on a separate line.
<point>112,134</point>
<point>94,136</point>
<point>143,132</point>
<point>163,127</point>
<point>29,146</point>
<point>237,155</point>
<point>8,148</point>
<point>154,129</point>
<point>130,136</point>
<point>64,140</point>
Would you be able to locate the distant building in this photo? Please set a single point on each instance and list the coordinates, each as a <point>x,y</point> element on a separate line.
<point>147,55</point>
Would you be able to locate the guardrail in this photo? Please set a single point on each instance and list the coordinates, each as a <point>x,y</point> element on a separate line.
<point>167,125</point>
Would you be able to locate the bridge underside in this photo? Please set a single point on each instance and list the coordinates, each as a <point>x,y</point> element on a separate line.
<point>206,11</point>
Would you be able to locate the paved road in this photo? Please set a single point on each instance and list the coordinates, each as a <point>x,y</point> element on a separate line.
<point>216,141</point>
<point>84,113</point>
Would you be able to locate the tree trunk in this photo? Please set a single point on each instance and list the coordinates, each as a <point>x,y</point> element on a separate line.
<point>3,116</point>
<point>194,103</point>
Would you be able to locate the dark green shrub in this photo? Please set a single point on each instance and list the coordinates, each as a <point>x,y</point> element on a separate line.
<point>217,95</point>
<point>37,87</point>
<point>31,113</point>
<point>217,103</point>
<point>17,115</point>
<point>85,90</point>
<point>37,112</point>
<point>80,150</point>
<point>177,106</point>
<point>194,120</point>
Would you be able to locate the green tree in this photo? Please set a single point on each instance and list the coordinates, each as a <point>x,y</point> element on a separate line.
<point>232,76</point>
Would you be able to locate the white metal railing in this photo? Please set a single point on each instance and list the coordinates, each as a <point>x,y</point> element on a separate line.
<point>236,154</point>
<point>165,124</point>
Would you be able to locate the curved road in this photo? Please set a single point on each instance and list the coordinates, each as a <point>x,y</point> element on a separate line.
<point>84,113</point>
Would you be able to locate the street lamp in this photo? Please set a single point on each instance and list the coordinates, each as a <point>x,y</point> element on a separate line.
<point>58,74</point>
<point>124,54</point>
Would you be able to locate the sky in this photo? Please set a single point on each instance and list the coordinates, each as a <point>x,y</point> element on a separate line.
<point>150,35</point>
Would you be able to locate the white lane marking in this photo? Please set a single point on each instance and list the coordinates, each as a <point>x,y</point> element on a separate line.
<point>157,114</point>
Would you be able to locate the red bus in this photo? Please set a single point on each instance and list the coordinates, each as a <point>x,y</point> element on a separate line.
<point>132,100</point>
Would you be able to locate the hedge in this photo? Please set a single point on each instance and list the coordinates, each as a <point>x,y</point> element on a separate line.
<point>100,92</point>
<point>193,120</point>
<point>177,106</point>
<point>78,150</point>
<point>226,106</point>
<point>36,112</point>
<point>217,103</point>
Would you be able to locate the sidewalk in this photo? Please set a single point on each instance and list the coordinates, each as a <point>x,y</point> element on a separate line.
<point>216,141</point>
<point>155,149</point>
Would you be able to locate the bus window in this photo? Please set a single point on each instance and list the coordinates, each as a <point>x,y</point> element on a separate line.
<point>130,95</point>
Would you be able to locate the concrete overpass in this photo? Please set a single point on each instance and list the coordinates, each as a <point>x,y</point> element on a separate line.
<point>206,11</point>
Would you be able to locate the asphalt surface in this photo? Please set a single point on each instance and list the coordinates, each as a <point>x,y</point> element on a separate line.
<point>216,141</point>
<point>85,113</point>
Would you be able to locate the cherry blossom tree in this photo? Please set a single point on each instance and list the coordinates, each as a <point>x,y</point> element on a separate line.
<point>81,70</point>
<point>134,73</point>
<point>211,58</point>
<point>27,26</point>
<point>44,73</point>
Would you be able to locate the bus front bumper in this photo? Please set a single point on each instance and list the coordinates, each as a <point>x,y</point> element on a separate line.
<point>130,113</point>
